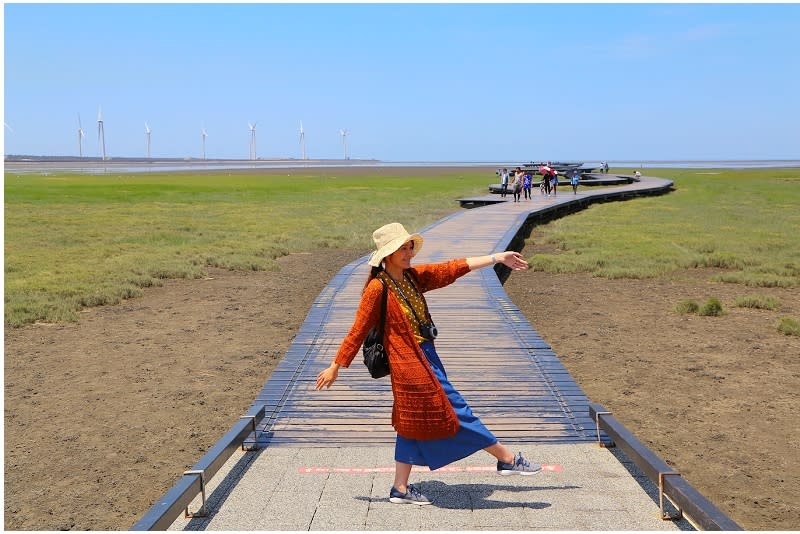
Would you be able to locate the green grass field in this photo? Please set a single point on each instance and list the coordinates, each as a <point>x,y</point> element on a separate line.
<point>746,223</point>
<point>73,241</point>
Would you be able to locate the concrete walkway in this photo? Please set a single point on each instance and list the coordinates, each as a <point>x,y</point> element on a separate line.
<point>583,487</point>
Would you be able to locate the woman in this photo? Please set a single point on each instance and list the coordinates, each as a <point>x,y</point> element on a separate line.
<point>434,424</point>
<point>518,175</point>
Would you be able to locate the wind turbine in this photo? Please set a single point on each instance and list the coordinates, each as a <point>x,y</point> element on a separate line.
<point>204,134</point>
<point>252,140</point>
<point>81,135</point>
<point>344,134</point>
<point>303,141</point>
<point>147,132</point>
<point>10,129</point>
<point>101,134</point>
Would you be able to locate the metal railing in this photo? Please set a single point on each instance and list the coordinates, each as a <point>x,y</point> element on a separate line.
<point>698,510</point>
<point>193,482</point>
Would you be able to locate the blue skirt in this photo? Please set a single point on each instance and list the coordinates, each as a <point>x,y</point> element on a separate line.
<point>471,437</point>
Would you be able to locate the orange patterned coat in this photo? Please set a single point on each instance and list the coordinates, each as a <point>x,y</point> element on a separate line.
<point>421,408</point>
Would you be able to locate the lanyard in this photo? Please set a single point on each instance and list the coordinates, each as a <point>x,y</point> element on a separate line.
<point>402,294</point>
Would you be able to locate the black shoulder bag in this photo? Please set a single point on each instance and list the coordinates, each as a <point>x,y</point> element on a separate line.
<point>375,357</point>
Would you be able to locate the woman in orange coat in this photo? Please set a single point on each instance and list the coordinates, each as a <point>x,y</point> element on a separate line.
<point>434,424</point>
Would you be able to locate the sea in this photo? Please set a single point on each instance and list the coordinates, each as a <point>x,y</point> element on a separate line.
<point>48,166</point>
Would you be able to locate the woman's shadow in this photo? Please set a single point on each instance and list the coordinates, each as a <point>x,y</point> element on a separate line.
<point>476,496</point>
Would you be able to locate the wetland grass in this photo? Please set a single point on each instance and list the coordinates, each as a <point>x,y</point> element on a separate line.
<point>73,241</point>
<point>741,224</point>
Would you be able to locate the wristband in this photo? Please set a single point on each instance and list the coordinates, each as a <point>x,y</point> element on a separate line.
<point>494,260</point>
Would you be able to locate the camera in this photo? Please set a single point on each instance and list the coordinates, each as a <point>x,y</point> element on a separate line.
<point>428,331</point>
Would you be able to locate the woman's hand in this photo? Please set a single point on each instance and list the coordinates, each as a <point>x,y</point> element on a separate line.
<point>327,377</point>
<point>512,260</point>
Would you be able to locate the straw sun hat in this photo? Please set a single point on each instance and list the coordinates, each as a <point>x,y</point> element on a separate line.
<point>389,238</point>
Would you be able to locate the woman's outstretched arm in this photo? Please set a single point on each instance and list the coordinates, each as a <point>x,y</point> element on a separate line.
<point>512,260</point>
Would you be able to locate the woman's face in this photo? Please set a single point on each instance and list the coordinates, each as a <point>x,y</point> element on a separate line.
<point>401,258</point>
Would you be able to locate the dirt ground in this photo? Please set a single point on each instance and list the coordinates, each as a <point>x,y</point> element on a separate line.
<point>102,416</point>
<point>715,397</point>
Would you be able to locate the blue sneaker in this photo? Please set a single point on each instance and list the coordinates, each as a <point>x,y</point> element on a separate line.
<point>412,496</point>
<point>520,466</point>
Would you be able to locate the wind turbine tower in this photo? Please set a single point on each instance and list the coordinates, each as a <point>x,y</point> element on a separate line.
<point>344,134</point>
<point>204,134</point>
<point>10,129</point>
<point>147,132</point>
<point>303,141</point>
<point>252,140</point>
<point>101,134</point>
<point>81,135</point>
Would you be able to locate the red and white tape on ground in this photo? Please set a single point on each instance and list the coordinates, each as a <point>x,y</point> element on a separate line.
<point>551,468</point>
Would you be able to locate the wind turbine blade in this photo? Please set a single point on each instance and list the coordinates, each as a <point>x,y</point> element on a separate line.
<point>10,129</point>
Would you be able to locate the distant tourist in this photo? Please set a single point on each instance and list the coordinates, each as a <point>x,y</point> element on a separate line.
<point>503,183</point>
<point>554,180</point>
<point>435,426</point>
<point>574,179</point>
<point>637,175</point>
<point>518,176</point>
<point>526,185</point>
<point>605,167</point>
<point>543,174</point>
<point>546,171</point>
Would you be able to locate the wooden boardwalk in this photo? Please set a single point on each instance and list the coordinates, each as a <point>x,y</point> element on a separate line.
<point>512,379</point>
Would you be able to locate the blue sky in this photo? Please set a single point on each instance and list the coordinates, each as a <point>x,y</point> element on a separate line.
<point>410,82</point>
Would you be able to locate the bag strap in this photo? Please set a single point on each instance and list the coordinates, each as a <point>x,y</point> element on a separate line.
<point>383,309</point>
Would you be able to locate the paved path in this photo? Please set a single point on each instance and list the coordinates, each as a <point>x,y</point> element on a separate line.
<point>326,461</point>
<point>585,488</point>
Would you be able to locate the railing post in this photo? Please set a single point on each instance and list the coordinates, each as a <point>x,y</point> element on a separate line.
<point>164,512</point>
<point>203,510</point>
<point>698,510</point>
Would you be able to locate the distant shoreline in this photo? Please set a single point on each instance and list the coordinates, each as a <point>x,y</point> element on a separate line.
<point>48,164</point>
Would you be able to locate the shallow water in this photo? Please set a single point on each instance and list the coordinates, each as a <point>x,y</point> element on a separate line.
<point>98,167</point>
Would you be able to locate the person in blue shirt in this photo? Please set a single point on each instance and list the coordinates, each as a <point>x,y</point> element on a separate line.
<point>526,185</point>
<point>574,179</point>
